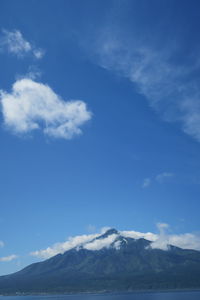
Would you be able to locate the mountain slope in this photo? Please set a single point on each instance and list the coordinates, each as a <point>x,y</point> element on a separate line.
<point>124,264</point>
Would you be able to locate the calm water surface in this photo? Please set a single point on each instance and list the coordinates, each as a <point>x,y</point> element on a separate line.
<point>134,296</point>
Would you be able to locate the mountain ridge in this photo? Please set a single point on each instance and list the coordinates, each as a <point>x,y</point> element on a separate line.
<point>130,265</point>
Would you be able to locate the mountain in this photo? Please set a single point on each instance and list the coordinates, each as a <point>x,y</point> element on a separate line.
<point>120,264</point>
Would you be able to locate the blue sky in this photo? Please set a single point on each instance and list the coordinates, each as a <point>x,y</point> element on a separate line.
<point>100,121</point>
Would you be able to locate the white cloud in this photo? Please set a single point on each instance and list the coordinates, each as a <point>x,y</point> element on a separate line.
<point>138,235</point>
<point>72,242</point>
<point>1,244</point>
<point>162,240</point>
<point>8,258</point>
<point>146,182</point>
<point>185,240</point>
<point>98,244</point>
<point>39,53</point>
<point>14,42</point>
<point>32,105</point>
<point>89,242</point>
<point>171,87</point>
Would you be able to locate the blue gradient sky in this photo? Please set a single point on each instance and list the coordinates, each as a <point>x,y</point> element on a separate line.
<point>136,66</point>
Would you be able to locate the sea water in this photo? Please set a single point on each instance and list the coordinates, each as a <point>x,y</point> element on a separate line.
<point>131,296</point>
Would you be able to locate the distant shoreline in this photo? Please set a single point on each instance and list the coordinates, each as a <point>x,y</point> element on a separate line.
<point>102,292</point>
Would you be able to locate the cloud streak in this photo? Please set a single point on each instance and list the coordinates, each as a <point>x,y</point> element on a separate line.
<point>160,178</point>
<point>8,258</point>
<point>32,106</point>
<point>171,87</point>
<point>13,42</point>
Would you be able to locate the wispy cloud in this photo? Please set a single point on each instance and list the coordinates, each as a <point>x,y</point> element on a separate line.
<point>14,42</point>
<point>38,53</point>
<point>160,178</point>
<point>8,258</point>
<point>1,244</point>
<point>91,228</point>
<point>146,183</point>
<point>32,105</point>
<point>170,85</point>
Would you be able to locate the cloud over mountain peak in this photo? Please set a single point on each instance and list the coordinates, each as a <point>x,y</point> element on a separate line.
<point>113,238</point>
